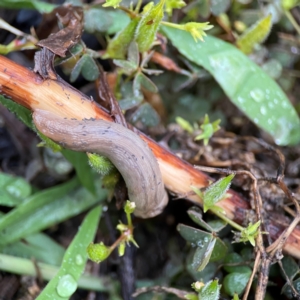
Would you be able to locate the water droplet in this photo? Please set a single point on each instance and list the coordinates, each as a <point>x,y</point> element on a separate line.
<point>66,286</point>
<point>13,190</point>
<point>263,110</point>
<point>206,239</point>
<point>193,245</point>
<point>271,105</point>
<point>257,95</point>
<point>255,120</point>
<point>270,121</point>
<point>267,91</point>
<point>200,244</point>
<point>78,260</point>
<point>276,101</point>
<point>282,131</point>
<point>240,99</point>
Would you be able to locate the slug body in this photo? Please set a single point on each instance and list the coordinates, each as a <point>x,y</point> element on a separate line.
<point>126,150</point>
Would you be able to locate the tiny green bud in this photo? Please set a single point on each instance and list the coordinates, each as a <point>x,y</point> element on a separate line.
<point>100,163</point>
<point>197,29</point>
<point>98,252</point>
<point>129,207</point>
<point>122,227</point>
<point>110,180</point>
<point>198,285</point>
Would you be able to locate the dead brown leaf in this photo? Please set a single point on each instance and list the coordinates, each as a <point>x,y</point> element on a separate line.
<point>72,18</point>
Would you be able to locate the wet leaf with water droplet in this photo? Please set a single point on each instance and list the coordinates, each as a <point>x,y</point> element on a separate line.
<point>13,190</point>
<point>245,83</point>
<point>204,242</point>
<point>196,215</point>
<point>67,285</point>
<point>64,284</point>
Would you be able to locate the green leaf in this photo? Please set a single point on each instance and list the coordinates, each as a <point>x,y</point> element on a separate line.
<point>20,111</point>
<point>87,67</point>
<point>96,20</point>
<point>235,283</point>
<point>256,34</point>
<point>45,209</point>
<point>118,46</point>
<point>146,30</point>
<point>22,266</point>
<point>65,282</point>
<point>146,114</point>
<point>113,3</point>
<point>127,66</point>
<point>90,70</point>
<point>211,291</point>
<point>216,192</point>
<point>288,291</point>
<point>47,142</point>
<point>217,225</point>
<point>219,6</point>
<point>247,86</point>
<point>290,266</point>
<point>234,258</point>
<point>145,82</point>
<point>184,124</point>
<point>220,250</point>
<point>13,190</point>
<point>202,240</point>
<point>41,6</point>
<point>119,20</point>
<point>81,164</point>
<point>38,246</point>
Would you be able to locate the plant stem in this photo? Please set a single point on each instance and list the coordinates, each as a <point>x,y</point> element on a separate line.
<point>227,220</point>
<point>177,26</point>
<point>23,266</point>
<point>292,20</point>
<point>138,6</point>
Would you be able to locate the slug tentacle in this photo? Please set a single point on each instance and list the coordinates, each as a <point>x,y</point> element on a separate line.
<point>126,150</point>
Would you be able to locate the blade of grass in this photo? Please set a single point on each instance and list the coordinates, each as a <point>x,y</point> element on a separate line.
<point>83,170</point>
<point>64,284</point>
<point>13,190</point>
<point>24,266</point>
<point>47,208</point>
<point>38,246</point>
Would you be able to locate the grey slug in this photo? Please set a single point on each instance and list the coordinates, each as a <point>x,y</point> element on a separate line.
<point>126,150</point>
